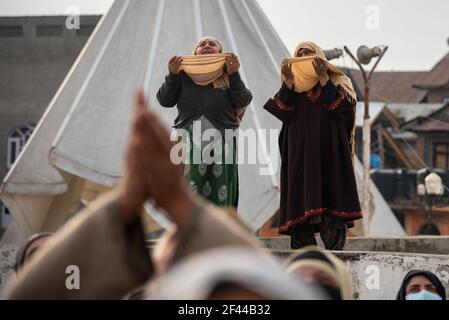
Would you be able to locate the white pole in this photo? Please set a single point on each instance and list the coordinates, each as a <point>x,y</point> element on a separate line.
<point>366,175</point>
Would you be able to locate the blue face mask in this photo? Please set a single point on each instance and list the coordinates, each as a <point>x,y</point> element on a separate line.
<point>423,295</point>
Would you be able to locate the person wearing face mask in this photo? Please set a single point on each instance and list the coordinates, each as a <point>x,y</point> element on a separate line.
<point>323,269</point>
<point>421,285</point>
<point>316,105</point>
<point>209,94</point>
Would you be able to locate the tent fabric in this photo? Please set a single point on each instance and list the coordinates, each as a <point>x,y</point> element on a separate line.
<point>82,135</point>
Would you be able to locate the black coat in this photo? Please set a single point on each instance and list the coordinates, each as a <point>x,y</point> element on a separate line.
<point>220,107</point>
<point>317,173</point>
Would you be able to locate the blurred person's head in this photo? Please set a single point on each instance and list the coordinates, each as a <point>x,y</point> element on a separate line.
<point>229,273</point>
<point>324,269</point>
<point>232,213</point>
<point>207,45</point>
<point>29,248</point>
<point>421,285</point>
<point>164,252</point>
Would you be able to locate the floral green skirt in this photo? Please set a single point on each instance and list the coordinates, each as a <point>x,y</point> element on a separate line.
<point>217,181</point>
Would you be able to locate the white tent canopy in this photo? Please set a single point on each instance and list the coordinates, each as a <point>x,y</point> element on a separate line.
<point>76,149</point>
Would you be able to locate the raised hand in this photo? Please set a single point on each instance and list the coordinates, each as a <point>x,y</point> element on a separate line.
<point>288,75</point>
<point>321,70</point>
<point>232,64</point>
<point>149,172</point>
<point>174,64</point>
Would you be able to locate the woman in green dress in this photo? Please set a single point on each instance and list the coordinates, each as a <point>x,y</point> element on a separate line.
<point>218,106</point>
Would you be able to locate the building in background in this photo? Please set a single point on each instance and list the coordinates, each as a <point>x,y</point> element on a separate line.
<point>36,54</point>
<point>410,131</point>
<point>407,86</point>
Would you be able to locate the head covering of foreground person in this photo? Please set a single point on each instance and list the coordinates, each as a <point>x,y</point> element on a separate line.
<point>34,243</point>
<point>318,186</point>
<point>421,285</point>
<point>230,273</point>
<point>324,269</point>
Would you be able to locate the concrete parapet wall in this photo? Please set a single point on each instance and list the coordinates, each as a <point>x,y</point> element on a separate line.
<point>378,275</point>
<point>418,244</point>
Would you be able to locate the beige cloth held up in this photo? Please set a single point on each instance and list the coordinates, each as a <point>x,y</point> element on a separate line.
<point>206,69</point>
<point>305,77</point>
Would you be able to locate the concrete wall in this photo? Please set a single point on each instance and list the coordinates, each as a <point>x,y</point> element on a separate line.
<point>419,244</point>
<point>384,259</point>
<point>31,69</point>
<point>378,275</point>
<point>32,66</point>
<point>7,262</point>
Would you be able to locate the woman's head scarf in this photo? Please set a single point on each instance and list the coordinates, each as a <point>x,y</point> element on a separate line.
<point>219,78</point>
<point>337,77</point>
<point>22,253</point>
<point>314,257</point>
<point>209,69</point>
<point>197,276</point>
<point>429,275</point>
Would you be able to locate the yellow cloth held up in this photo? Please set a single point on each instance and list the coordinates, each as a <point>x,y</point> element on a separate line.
<point>206,69</point>
<point>305,77</point>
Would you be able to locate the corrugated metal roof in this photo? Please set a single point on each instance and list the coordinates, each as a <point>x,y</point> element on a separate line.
<point>391,86</point>
<point>406,112</point>
<point>430,121</point>
<point>438,77</point>
<point>431,126</point>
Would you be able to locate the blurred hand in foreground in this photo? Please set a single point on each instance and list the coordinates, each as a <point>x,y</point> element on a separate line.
<point>149,172</point>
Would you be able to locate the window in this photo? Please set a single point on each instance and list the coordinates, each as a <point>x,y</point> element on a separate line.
<point>429,229</point>
<point>49,31</point>
<point>16,141</point>
<point>5,216</point>
<point>441,155</point>
<point>3,209</point>
<point>11,31</point>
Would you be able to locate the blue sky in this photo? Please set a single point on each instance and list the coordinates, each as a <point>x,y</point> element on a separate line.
<point>416,30</point>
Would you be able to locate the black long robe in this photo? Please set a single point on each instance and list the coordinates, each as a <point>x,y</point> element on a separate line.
<point>317,174</point>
